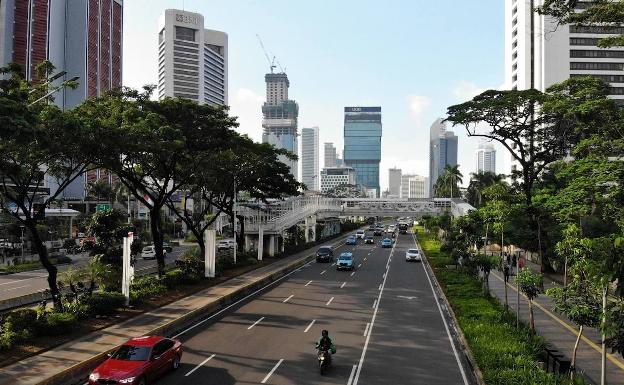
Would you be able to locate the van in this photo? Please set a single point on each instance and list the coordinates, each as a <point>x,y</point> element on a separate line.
<point>360,234</point>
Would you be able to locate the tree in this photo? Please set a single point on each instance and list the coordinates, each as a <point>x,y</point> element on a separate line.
<point>447,185</point>
<point>109,227</point>
<point>531,285</point>
<point>100,189</point>
<point>40,145</point>
<point>478,182</point>
<point>151,145</point>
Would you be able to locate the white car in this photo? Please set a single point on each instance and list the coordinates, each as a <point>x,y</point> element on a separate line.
<point>149,252</point>
<point>413,255</point>
<point>391,229</point>
<point>226,244</point>
<point>360,234</point>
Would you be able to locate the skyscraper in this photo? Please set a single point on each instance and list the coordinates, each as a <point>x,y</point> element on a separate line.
<point>362,144</point>
<point>486,158</point>
<point>81,37</point>
<point>280,116</point>
<point>310,158</point>
<point>192,61</point>
<point>414,186</point>
<point>442,151</point>
<point>330,155</point>
<point>394,183</point>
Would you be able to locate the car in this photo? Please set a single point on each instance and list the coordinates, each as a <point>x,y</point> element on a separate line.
<point>324,254</point>
<point>226,244</point>
<point>403,228</point>
<point>360,234</point>
<point>413,255</point>
<point>391,229</point>
<point>386,242</point>
<point>345,261</point>
<point>149,252</point>
<point>371,228</point>
<point>167,247</point>
<point>378,232</point>
<point>139,361</point>
<point>351,240</point>
<point>369,239</point>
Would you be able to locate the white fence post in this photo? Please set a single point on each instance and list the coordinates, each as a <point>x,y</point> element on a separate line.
<point>127,274</point>
<point>210,240</point>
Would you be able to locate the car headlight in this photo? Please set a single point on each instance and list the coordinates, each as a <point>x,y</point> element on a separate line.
<point>128,380</point>
<point>94,376</point>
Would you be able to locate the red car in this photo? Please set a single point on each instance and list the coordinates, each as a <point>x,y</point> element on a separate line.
<point>138,362</point>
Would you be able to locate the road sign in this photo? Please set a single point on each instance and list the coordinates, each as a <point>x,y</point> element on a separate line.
<point>102,207</point>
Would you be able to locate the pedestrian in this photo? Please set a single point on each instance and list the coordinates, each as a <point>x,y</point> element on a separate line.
<point>521,263</point>
<point>506,272</point>
<point>514,264</point>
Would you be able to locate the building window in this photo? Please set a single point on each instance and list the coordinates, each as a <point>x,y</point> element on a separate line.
<point>605,78</point>
<point>596,53</point>
<point>584,41</point>
<point>601,29</point>
<point>183,33</point>
<point>596,66</point>
<point>161,36</point>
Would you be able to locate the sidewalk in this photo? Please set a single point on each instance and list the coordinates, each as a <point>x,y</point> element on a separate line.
<point>559,331</point>
<point>71,362</point>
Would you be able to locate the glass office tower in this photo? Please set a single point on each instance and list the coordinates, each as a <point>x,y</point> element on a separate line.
<point>362,144</point>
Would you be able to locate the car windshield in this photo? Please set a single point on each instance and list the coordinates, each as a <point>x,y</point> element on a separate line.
<point>324,250</point>
<point>412,251</point>
<point>132,353</point>
<point>345,257</point>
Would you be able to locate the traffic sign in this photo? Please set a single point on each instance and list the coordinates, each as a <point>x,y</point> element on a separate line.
<point>102,207</point>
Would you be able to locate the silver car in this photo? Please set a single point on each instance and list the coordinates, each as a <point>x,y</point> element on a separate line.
<point>413,255</point>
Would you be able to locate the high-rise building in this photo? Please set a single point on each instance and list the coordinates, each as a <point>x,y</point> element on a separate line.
<point>280,116</point>
<point>442,151</point>
<point>362,144</point>
<point>330,155</point>
<point>416,187</point>
<point>486,158</point>
<point>192,60</point>
<point>332,177</point>
<point>310,158</point>
<point>394,183</point>
<point>81,37</point>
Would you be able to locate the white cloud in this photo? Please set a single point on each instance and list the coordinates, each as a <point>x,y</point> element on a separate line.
<point>465,91</point>
<point>246,104</point>
<point>418,106</point>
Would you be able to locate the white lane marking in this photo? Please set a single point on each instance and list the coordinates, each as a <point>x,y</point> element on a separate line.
<point>271,372</point>
<point>309,326</point>
<point>287,299</point>
<point>323,272</point>
<point>370,331</point>
<point>343,285</point>
<point>199,366</point>
<point>330,301</point>
<point>360,265</point>
<point>333,264</point>
<point>352,273</point>
<point>255,323</point>
<point>384,275</point>
<point>366,329</point>
<point>351,376</point>
<point>448,333</point>
<point>18,287</point>
<point>309,282</point>
<point>365,258</point>
<point>374,303</point>
<point>381,284</point>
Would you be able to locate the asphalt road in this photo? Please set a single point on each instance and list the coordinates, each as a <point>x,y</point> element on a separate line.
<point>18,284</point>
<point>383,318</point>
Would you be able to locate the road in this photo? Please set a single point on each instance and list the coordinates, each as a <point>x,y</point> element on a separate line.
<point>18,284</point>
<point>383,317</point>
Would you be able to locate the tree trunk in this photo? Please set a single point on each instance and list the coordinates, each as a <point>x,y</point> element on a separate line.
<point>157,237</point>
<point>565,272</point>
<point>531,320</point>
<point>539,245</point>
<point>45,261</point>
<point>240,244</point>
<point>576,345</point>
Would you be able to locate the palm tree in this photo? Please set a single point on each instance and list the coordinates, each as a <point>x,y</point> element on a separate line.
<point>478,182</point>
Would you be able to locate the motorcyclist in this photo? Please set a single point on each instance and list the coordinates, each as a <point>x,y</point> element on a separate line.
<point>326,344</point>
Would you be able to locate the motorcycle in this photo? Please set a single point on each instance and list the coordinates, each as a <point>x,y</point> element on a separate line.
<point>324,360</point>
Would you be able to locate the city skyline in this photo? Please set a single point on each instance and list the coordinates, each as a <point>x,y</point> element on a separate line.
<point>410,99</point>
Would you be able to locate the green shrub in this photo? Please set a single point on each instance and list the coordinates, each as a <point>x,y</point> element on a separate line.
<point>8,336</point>
<point>16,326</point>
<point>56,323</point>
<point>147,287</point>
<point>104,303</point>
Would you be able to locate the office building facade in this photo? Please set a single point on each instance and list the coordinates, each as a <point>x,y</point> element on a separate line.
<point>442,151</point>
<point>329,155</point>
<point>394,183</point>
<point>310,158</point>
<point>486,158</point>
<point>192,60</point>
<point>81,37</point>
<point>416,187</point>
<point>362,144</point>
<point>332,177</point>
<point>280,118</point>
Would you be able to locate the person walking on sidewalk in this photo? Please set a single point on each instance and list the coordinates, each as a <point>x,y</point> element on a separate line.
<point>514,265</point>
<point>506,271</point>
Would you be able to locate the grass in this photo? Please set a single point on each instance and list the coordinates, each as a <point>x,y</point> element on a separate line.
<point>505,355</point>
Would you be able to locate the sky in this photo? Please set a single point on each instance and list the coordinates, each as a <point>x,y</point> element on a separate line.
<point>414,58</point>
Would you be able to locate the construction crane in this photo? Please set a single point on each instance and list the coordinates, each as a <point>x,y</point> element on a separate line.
<point>271,62</point>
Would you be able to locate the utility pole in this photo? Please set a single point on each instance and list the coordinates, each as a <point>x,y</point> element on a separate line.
<point>234,222</point>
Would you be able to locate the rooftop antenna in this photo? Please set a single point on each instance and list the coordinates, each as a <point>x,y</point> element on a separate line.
<point>271,62</point>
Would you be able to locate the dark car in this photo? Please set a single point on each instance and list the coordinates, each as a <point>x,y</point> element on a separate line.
<point>324,254</point>
<point>139,361</point>
<point>378,231</point>
<point>369,240</point>
<point>167,247</point>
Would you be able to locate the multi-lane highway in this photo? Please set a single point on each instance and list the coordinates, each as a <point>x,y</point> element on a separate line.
<point>15,285</point>
<point>384,319</point>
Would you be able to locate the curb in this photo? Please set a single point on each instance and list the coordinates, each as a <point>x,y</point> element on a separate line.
<point>78,373</point>
<point>465,348</point>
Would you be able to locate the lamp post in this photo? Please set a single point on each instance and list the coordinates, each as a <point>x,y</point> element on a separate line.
<point>234,228</point>
<point>22,227</point>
